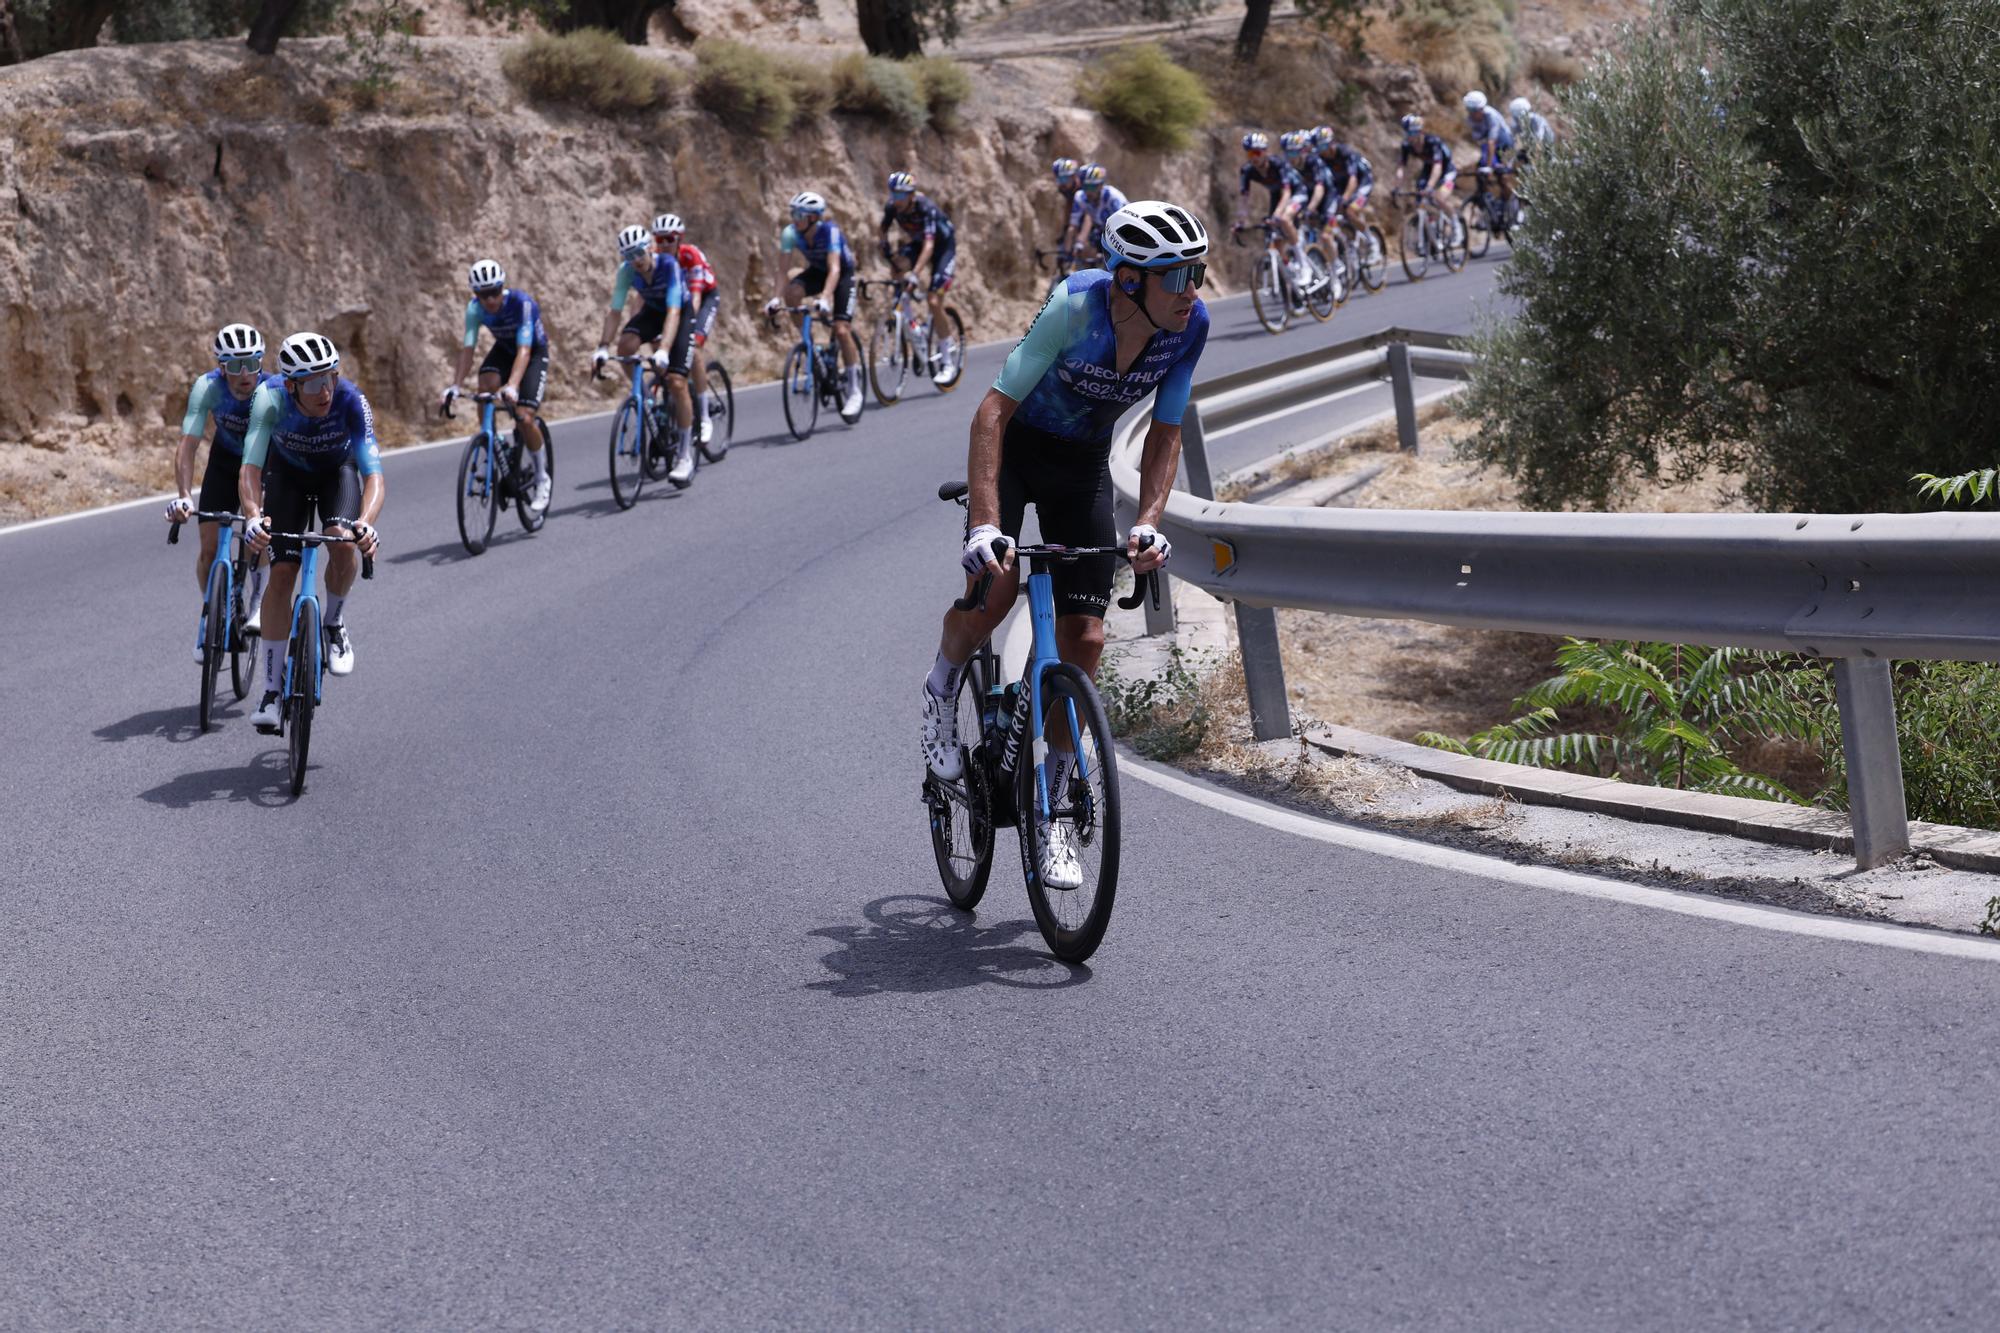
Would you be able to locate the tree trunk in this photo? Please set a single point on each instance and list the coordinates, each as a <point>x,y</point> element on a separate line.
<point>1250,37</point>
<point>889,28</point>
<point>73,27</point>
<point>627,18</point>
<point>273,16</point>
<point>10,38</point>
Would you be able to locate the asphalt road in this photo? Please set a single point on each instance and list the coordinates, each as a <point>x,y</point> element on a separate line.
<point>601,980</point>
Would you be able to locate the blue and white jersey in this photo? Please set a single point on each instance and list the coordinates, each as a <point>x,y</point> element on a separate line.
<point>1109,200</point>
<point>1533,131</point>
<point>317,444</point>
<point>827,238</point>
<point>518,321</point>
<point>1490,127</point>
<point>209,396</point>
<point>662,289</point>
<point>1064,374</point>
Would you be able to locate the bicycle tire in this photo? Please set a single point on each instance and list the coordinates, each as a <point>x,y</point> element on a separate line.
<point>242,661</point>
<point>1072,929</point>
<point>213,615</point>
<point>800,392</point>
<point>1267,295</point>
<point>628,445</point>
<point>717,447</point>
<point>1326,295</point>
<point>298,727</point>
<point>659,416</point>
<point>1478,228</point>
<point>478,500</point>
<point>888,360</point>
<point>954,354</point>
<point>1416,248</point>
<point>964,869</point>
<point>1454,246</point>
<point>1375,272</point>
<point>531,521</point>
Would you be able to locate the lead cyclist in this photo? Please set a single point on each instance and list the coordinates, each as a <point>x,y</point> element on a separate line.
<point>1042,436</point>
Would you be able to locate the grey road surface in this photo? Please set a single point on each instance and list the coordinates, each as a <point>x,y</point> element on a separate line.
<point>601,979</point>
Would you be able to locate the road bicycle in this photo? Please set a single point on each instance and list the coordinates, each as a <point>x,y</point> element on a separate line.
<point>1063,263</point>
<point>1430,233</point>
<point>222,605</point>
<point>812,373</point>
<point>1488,214</point>
<point>1324,298</point>
<point>1274,294</point>
<point>903,339</point>
<point>1004,768</point>
<point>305,650</point>
<point>492,474</point>
<point>636,450</point>
<point>1364,252</point>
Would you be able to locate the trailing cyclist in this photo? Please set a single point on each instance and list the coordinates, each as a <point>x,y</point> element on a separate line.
<point>1095,200</point>
<point>1287,192</point>
<point>1065,170</point>
<point>1437,174</point>
<point>928,238</point>
<point>309,456</point>
<point>828,270</point>
<point>663,299</point>
<point>1353,178</point>
<point>704,299</point>
<point>225,394</point>
<point>1042,436</point>
<point>1532,132</point>
<point>1489,132</point>
<point>1317,205</point>
<point>517,367</point>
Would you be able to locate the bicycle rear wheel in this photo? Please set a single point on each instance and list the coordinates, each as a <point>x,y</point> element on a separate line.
<point>1326,292</point>
<point>628,454</point>
<point>888,360</point>
<point>800,394</point>
<point>241,657</point>
<point>1478,227</point>
<point>720,405</point>
<point>1268,296</point>
<point>478,497</point>
<point>214,614</point>
<point>1452,244</point>
<point>961,813</point>
<point>300,704</point>
<point>1416,248</point>
<point>1073,921</point>
<point>524,478</point>
<point>1374,261</point>
<point>950,346</point>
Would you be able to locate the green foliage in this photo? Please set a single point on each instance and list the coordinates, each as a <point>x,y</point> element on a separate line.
<point>377,36</point>
<point>1460,44</point>
<point>946,86</point>
<point>1783,272</point>
<point>589,68</point>
<point>1166,716</point>
<point>754,92</point>
<point>1946,727</point>
<point>1676,708</point>
<point>1991,925</point>
<point>1975,487</point>
<point>881,89</point>
<point>1143,92</point>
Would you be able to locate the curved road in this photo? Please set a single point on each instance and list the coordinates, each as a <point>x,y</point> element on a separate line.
<point>601,979</point>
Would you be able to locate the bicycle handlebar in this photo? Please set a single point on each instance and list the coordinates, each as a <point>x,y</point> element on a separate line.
<point>203,515</point>
<point>511,409</point>
<point>322,539</point>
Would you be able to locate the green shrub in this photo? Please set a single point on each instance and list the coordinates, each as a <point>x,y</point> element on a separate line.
<point>755,92</point>
<point>589,68</point>
<point>878,88</point>
<point>1144,93</point>
<point>946,87</point>
<point>1164,717</point>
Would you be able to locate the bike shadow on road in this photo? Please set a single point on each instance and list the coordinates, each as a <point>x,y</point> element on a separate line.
<point>176,725</point>
<point>454,552</point>
<point>913,944</point>
<point>264,781</point>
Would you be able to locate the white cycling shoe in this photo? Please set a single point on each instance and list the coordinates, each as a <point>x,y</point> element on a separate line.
<point>538,498</point>
<point>707,426</point>
<point>270,715</point>
<point>850,402</point>
<point>1056,855</point>
<point>682,472</point>
<point>940,737</point>
<point>339,650</point>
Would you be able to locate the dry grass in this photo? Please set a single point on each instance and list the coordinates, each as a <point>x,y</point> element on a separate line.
<point>1297,80</point>
<point>590,68</point>
<point>1553,69</point>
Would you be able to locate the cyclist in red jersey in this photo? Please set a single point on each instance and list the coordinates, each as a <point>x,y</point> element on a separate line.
<point>697,319</point>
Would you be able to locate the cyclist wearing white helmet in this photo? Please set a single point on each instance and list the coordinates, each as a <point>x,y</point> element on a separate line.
<point>704,300</point>
<point>518,366</point>
<point>1532,132</point>
<point>828,269</point>
<point>1096,199</point>
<point>223,394</point>
<point>928,238</point>
<point>1489,131</point>
<point>309,457</point>
<point>656,278</point>
<point>1042,436</point>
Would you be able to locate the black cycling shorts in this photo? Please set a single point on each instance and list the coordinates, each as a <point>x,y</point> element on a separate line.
<point>814,282</point>
<point>218,482</point>
<point>1069,484</point>
<point>534,380</point>
<point>680,358</point>
<point>307,499</point>
<point>648,324</point>
<point>704,322</point>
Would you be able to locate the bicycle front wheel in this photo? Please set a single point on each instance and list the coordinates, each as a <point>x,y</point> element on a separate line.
<point>214,614</point>
<point>1416,248</point>
<point>949,344</point>
<point>1477,226</point>
<point>1325,290</point>
<point>1453,244</point>
<point>800,393</point>
<point>1084,816</point>
<point>961,813</point>
<point>1374,262</point>
<point>721,408</point>
<point>478,497</point>
<point>628,454</point>
<point>300,704</point>
<point>888,360</point>
<point>1268,296</point>
<point>241,656</point>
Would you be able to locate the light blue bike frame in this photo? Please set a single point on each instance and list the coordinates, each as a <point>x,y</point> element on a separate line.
<point>223,541</point>
<point>305,601</point>
<point>1041,656</point>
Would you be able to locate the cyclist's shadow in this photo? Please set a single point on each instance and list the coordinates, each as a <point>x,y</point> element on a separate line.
<point>265,781</point>
<point>914,944</point>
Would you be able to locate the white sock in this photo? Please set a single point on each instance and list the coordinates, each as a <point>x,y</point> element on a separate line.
<point>274,661</point>
<point>260,574</point>
<point>536,464</point>
<point>335,603</point>
<point>943,680</point>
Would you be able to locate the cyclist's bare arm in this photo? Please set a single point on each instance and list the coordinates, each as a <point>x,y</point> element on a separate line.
<point>982,458</point>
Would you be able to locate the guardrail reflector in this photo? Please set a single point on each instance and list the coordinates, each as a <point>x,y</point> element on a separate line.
<point>1225,554</point>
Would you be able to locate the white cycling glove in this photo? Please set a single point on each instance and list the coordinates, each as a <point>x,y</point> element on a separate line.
<point>180,511</point>
<point>364,536</point>
<point>1142,531</point>
<point>448,396</point>
<point>258,532</point>
<point>771,306</point>
<point>508,395</point>
<point>979,549</point>
<point>663,360</point>
<point>821,308</point>
<point>599,357</point>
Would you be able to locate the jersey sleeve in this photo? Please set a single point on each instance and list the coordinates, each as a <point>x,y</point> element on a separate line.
<point>622,288</point>
<point>1170,400</point>
<point>472,322</point>
<point>788,239</point>
<point>531,315</point>
<point>264,408</point>
<point>676,289</point>
<point>361,428</point>
<point>201,401</point>
<point>1034,354</point>
<point>1076,208</point>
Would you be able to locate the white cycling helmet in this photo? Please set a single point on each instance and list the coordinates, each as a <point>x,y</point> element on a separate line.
<point>307,354</point>
<point>1154,234</point>
<point>633,238</point>
<point>486,276</point>
<point>1519,107</point>
<point>237,340</point>
<point>805,201</point>
<point>1475,102</point>
<point>668,224</point>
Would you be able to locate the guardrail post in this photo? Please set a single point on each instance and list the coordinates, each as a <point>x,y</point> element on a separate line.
<point>1263,672</point>
<point>1194,454</point>
<point>1881,820</point>
<point>1405,392</point>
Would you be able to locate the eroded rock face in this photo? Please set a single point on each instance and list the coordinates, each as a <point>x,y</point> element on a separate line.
<point>149,195</point>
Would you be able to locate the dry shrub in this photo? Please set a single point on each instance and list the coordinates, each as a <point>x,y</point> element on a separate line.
<point>879,89</point>
<point>1157,103</point>
<point>591,68</point>
<point>1553,69</point>
<point>1459,44</point>
<point>946,86</point>
<point>755,92</point>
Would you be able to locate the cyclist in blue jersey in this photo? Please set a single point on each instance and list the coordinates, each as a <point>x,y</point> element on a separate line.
<point>518,366</point>
<point>928,239</point>
<point>1095,200</point>
<point>1532,132</point>
<point>1300,157</point>
<point>1064,169</point>
<point>1287,192</point>
<point>1436,172</point>
<point>1042,436</point>
<point>224,394</point>
<point>829,270</point>
<point>309,455</point>
<point>656,277</point>
<point>1352,173</point>
<point>1489,132</point>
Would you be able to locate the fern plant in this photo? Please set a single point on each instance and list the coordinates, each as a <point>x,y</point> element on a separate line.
<point>1677,708</point>
<point>1965,488</point>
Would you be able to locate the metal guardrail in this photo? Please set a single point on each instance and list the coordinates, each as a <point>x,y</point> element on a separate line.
<point>1860,589</point>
